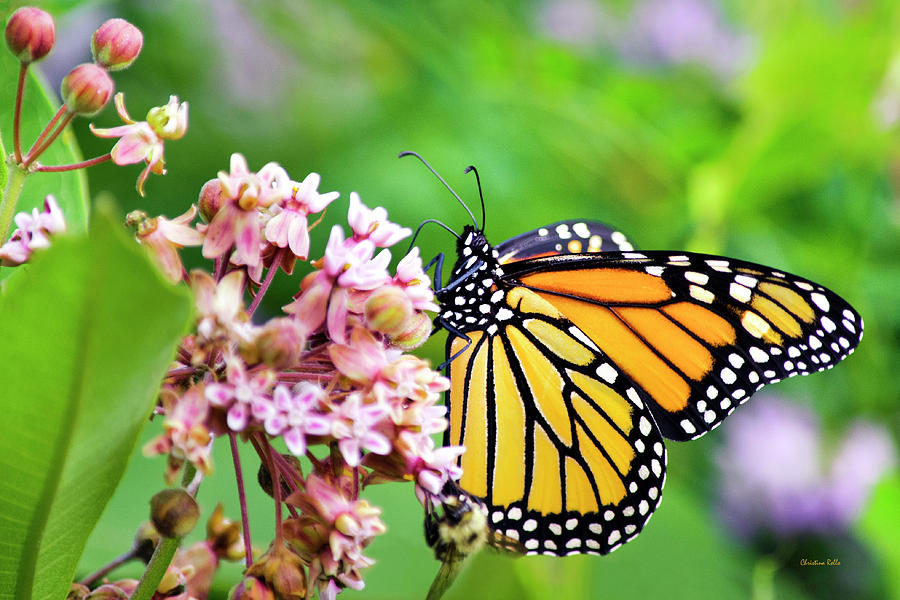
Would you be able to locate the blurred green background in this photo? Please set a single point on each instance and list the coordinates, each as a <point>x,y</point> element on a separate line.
<point>767,131</point>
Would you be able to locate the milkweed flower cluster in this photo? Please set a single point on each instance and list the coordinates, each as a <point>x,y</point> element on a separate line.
<point>330,378</point>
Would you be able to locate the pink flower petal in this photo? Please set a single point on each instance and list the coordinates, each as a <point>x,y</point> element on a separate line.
<point>220,233</point>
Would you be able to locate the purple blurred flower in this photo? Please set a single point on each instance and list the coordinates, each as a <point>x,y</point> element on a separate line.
<point>685,31</point>
<point>581,22</point>
<point>774,477</point>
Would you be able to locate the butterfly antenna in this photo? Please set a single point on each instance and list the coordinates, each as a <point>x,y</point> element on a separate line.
<point>480,195</point>
<point>419,228</point>
<point>446,185</point>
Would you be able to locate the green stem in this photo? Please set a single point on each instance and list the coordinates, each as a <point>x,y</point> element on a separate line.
<point>156,568</point>
<point>162,555</point>
<point>10,198</point>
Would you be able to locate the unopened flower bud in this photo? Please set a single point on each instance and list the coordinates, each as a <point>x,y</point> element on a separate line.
<point>174,512</point>
<point>78,591</point>
<point>108,591</point>
<point>416,333</point>
<point>251,588</point>
<point>388,310</point>
<point>283,570</point>
<point>211,199</point>
<point>86,89</point>
<point>280,342</point>
<point>116,44</point>
<point>306,535</point>
<point>145,540</point>
<point>30,34</point>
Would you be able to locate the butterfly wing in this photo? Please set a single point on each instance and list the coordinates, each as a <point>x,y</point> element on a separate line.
<point>536,387</point>
<point>698,334</point>
<point>563,237</point>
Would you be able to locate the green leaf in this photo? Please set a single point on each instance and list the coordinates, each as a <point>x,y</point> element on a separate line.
<point>87,333</point>
<point>38,107</point>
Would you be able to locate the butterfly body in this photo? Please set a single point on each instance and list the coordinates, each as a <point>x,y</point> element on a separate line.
<point>572,355</point>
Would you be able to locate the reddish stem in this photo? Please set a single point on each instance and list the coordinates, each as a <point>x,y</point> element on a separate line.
<point>47,129</point>
<point>270,275</point>
<point>38,150</point>
<point>20,92</point>
<point>108,568</point>
<point>72,167</point>
<point>313,376</point>
<point>245,520</point>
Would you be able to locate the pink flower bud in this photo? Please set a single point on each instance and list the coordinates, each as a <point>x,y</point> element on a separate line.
<point>251,588</point>
<point>416,333</point>
<point>116,44</point>
<point>280,342</point>
<point>30,34</point>
<point>211,199</point>
<point>388,310</point>
<point>87,89</point>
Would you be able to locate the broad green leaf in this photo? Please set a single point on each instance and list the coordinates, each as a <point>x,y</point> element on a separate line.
<point>70,187</point>
<point>85,337</point>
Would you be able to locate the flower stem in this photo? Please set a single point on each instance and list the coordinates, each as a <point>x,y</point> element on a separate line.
<point>156,568</point>
<point>17,115</point>
<point>108,568</point>
<point>72,167</point>
<point>163,554</point>
<point>276,261</point>
<point>245,520</point>
<point>47,129</point>
<point>11,198</point>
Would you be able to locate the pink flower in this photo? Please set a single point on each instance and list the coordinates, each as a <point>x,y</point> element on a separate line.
<point>251,190</point>
<point>186,436</point>
<point>143,141</point>
<point>354,426</point>
<point>373,224</point>
<point>238,222</point>
<point>363,358</point>
<point>430,467</point>
<point>244,395</point>
<point>352,263</point>
<point>220,309</point>
<point>289,228</point>
<point>297,415</point>
<point>164,237</point>
<point>33,232</point>
<point>346,267</point>
<point>411,278</point>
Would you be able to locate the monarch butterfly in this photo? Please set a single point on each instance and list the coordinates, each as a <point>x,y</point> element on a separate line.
<point>571,356</point>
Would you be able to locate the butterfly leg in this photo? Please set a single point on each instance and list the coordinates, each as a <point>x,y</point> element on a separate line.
<point>438,262</point>
<point>440,322</point>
